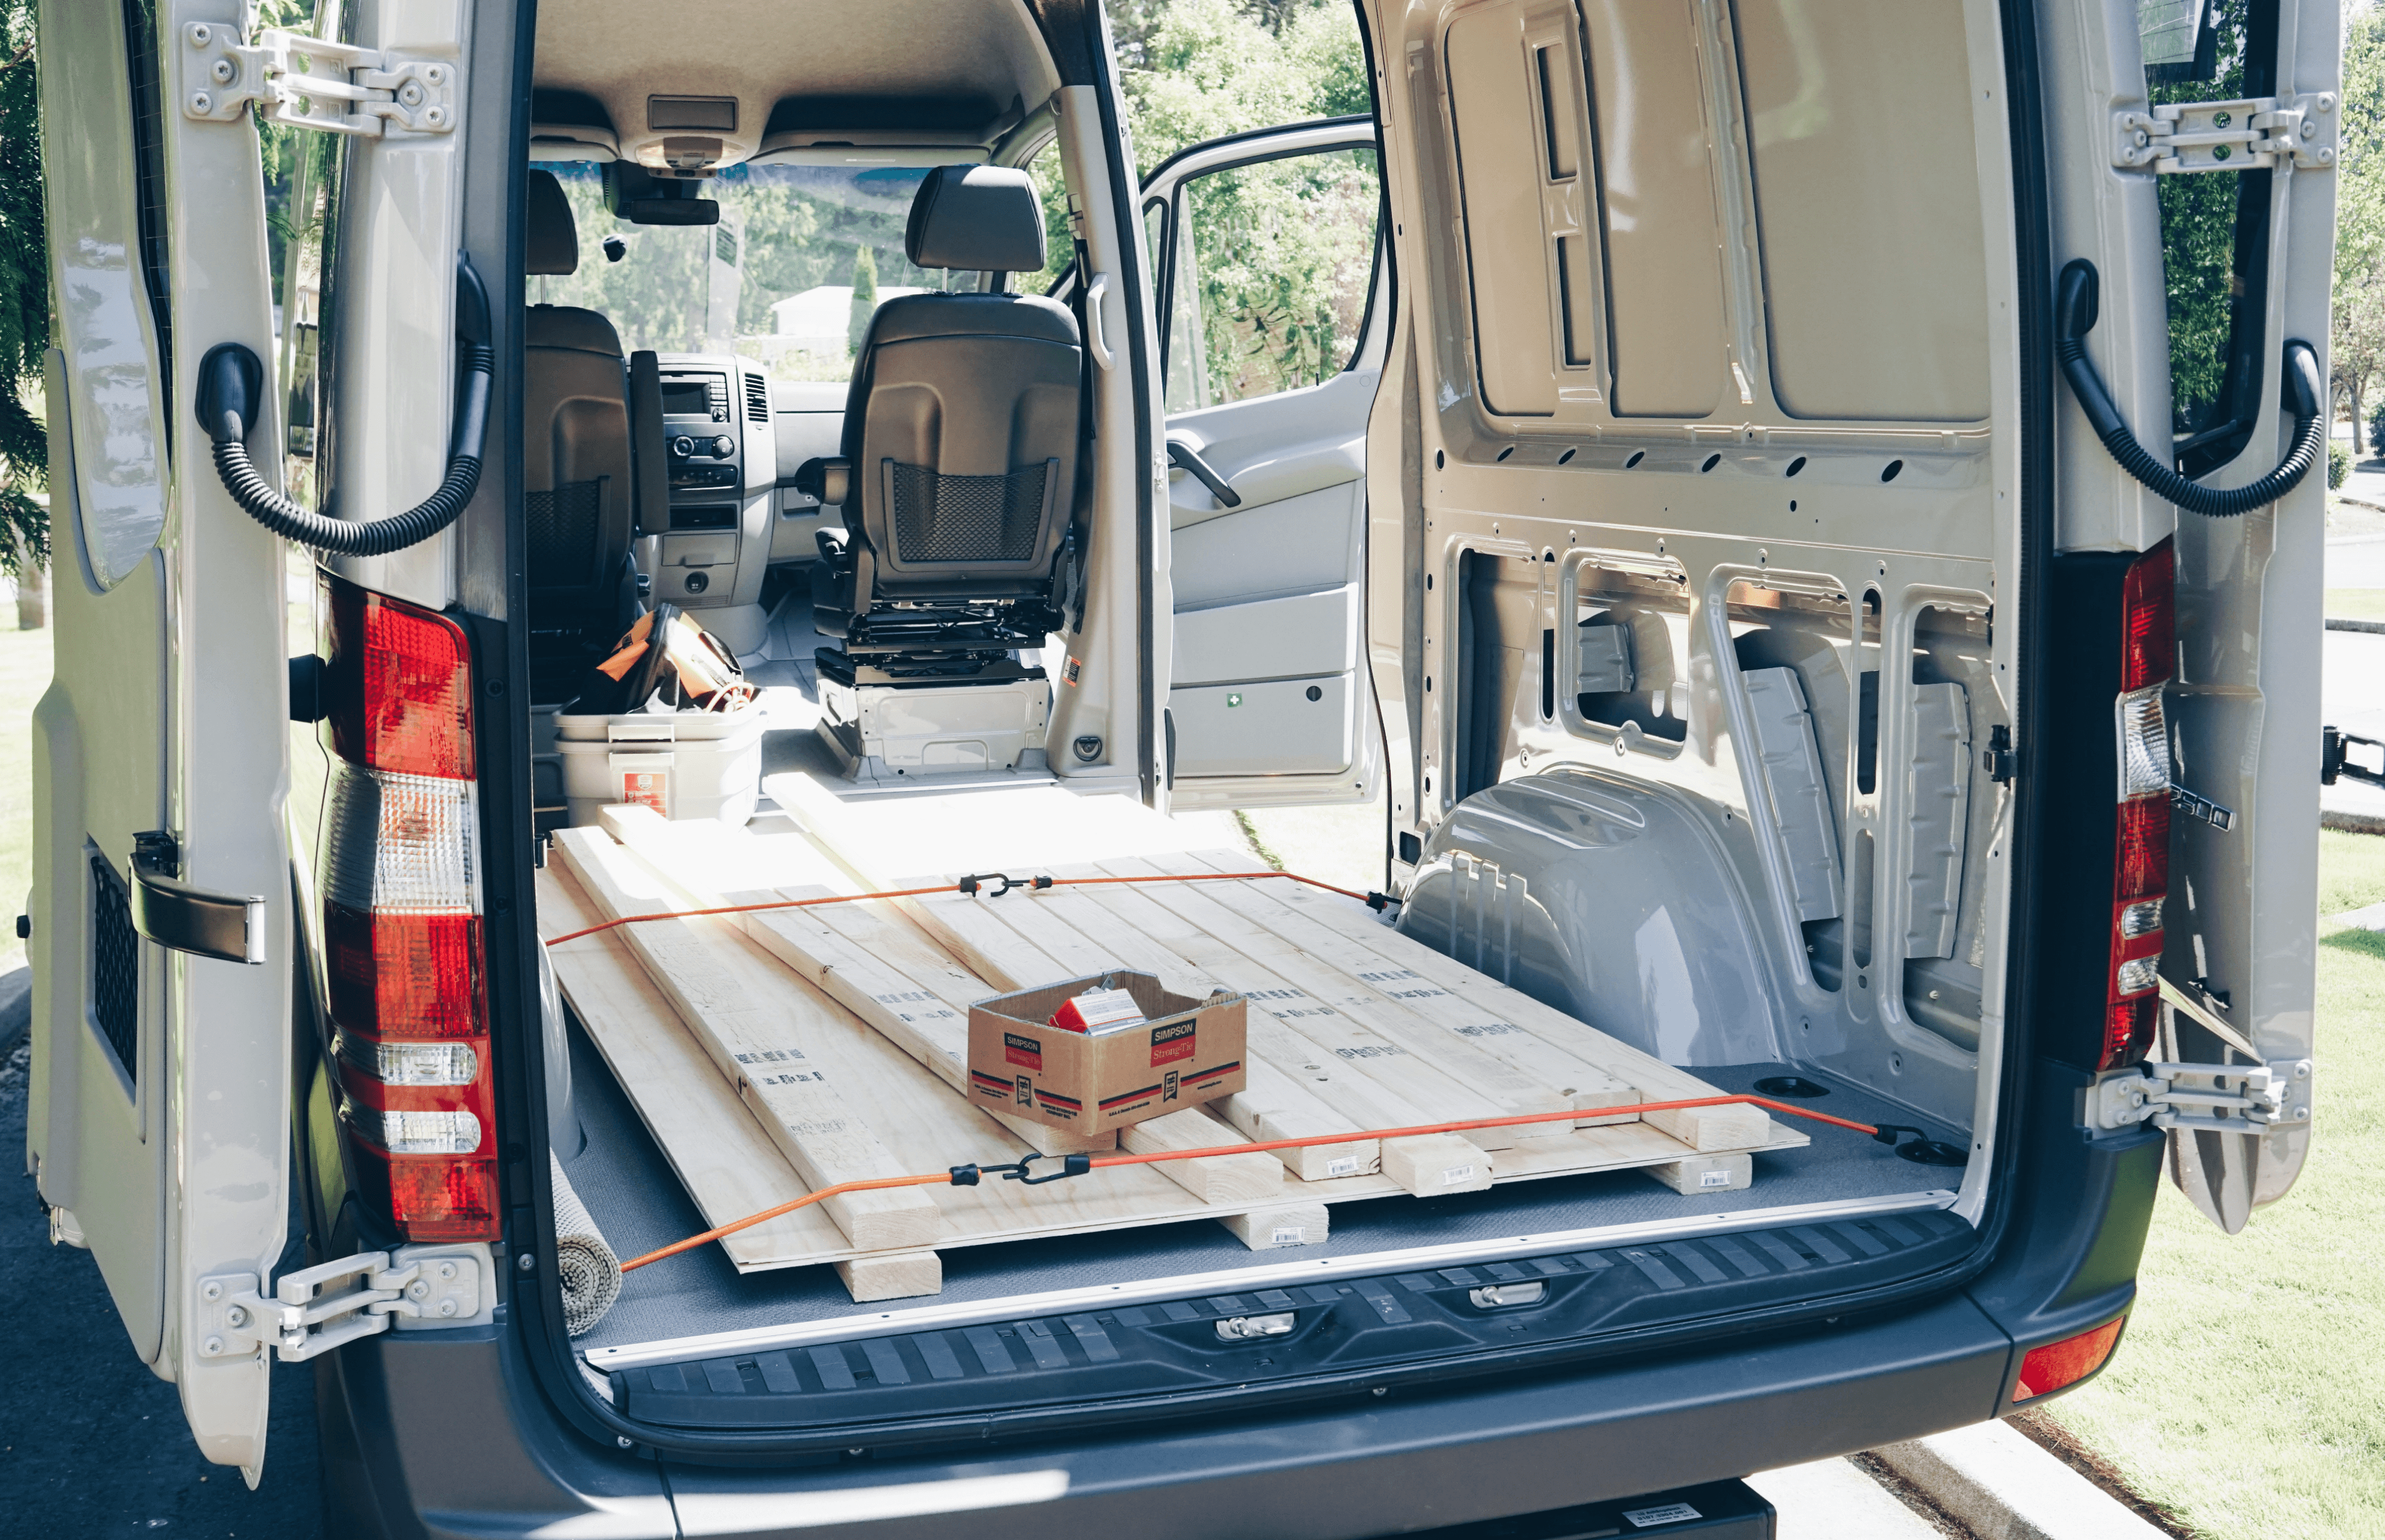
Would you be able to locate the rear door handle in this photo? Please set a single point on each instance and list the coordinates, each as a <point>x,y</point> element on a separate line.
<point>1185,457</point>
<point>182,918</point>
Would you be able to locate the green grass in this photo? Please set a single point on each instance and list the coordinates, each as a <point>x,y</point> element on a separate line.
<point>24,675</point>
<point>2355,604</point>
<point>2248,1396</point>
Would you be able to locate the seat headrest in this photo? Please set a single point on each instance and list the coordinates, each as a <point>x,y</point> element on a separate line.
<point>976,218</point>
<point>553,242</point>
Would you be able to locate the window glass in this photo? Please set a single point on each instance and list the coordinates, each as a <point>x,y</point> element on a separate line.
<point>802,257</point>
<point>2214,227</point>
<point>1273,265</point>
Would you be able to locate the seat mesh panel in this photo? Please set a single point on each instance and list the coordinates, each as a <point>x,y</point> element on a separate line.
<point>965,518</point>
<point>115,965</point>
<point>562,525</point>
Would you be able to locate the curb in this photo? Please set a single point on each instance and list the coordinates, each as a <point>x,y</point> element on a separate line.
<point>1993,1478</point>
<point>2375,627</point>
<point>2328,818</point>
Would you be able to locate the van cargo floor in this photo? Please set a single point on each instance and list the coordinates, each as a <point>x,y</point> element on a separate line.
<point>628,1184</point>
<point>773,1052</point>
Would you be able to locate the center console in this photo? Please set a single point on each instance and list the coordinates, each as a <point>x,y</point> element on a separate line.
<point>722,460</point>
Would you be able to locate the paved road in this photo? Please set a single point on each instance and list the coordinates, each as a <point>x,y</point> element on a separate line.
<point>92,1443</point>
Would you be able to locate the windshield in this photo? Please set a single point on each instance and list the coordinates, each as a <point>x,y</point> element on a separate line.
<point>789,277</point>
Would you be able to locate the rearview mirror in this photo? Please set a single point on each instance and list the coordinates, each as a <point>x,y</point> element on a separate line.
<point>633,194</point>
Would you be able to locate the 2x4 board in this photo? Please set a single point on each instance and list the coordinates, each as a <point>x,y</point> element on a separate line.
<point>775,1051</point>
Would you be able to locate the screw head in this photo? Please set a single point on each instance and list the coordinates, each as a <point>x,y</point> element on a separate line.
<point>412,94</point>
<point>2327,157</point>
<point>435,73</point>
<point>211,1291</point>
<point>435,116</point>
<point>200,35</point>
<point>202,102</point>
<point>236,1316</point>
<point>526,1263</point>
<point>212,1345</point>
<point>446,1307</point>
<point>418,1289</point>
<point>446,1270</point>
<point>221,70</point>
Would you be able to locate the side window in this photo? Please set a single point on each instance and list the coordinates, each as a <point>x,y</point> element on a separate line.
<point>1268,268</point>
<point>2215,229</point>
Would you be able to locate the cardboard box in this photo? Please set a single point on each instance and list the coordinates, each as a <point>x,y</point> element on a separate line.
<point>1187,1052</point>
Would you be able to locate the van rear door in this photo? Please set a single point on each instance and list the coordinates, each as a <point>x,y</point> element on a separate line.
<point>160,934</point>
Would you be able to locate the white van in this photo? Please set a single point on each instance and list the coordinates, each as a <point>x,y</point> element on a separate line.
<point>1687,458</point>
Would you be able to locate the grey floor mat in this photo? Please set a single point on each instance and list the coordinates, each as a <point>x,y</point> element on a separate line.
<point>630,1189</point>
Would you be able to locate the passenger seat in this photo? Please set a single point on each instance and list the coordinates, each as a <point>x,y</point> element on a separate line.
<point>578,474</point>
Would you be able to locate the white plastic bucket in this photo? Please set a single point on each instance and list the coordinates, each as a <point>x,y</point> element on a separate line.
<point>683,765</point>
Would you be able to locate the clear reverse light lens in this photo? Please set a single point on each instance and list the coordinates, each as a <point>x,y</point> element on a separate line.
<point>413,1063</point>
<point>416,1133</point>
<point>2134,978</point>
<point>397,843</point>
<point>2141,919</point>
<point>2144,743</point>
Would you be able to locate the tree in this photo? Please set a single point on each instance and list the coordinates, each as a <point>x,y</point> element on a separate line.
<point>864,295</point>
<point>24,298</point>
<point>2356,345</point>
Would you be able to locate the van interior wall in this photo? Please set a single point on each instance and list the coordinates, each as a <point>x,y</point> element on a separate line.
<point>1734,380</point>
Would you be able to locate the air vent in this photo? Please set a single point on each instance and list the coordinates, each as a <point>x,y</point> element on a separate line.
<point>757,399</point>
<point>115,965</point>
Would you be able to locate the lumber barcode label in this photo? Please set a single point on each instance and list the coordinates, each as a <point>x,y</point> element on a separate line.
<point>1171,1042</point>
<point>1454,1174</point>
<point>1024,1051</point>
<point>1288,1234</point>
<point>1714,1178</point>
<point>1342,1165</point>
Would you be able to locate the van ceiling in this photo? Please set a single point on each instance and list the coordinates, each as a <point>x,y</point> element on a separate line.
<point>947,69</point>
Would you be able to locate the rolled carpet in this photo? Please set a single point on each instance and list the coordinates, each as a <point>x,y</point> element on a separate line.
<point>591,1273</point>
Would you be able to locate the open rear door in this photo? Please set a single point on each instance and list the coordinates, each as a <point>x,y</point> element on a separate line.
<point>1267,253</point>
<point>160,937</point>
<point>2196,181</point>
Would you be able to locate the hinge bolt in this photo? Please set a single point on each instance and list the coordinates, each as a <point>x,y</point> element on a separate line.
<point>202,102</point>
<point>222,71</point>
<point>446,1307</point>
<point>211,1292</point>
<point>420,1290</point>
<point>525,1263</point>
<point>235,1316</point>
<point>446,1270</point>
<point>200,36</point>
<point>212,1345</point>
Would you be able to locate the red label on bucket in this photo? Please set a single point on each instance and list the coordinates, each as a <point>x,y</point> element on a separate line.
<point>647,788</point>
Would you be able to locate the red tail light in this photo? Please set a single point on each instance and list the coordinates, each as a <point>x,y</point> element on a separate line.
<point>2140,841</point>
<point>2059,1365</point>
<point>402,916</point>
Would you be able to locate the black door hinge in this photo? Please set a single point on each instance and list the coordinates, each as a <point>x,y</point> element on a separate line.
<point>1998,759</point>
<point>2332,761</point>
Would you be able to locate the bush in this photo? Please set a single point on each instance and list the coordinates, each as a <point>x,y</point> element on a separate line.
<point>2375,422</point>
<point>2338,465</point>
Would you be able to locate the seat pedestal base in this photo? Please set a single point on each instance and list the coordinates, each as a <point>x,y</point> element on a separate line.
<point>880,732</point>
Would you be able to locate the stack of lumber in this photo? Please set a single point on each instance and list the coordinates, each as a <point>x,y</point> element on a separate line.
<point>775,1051</point>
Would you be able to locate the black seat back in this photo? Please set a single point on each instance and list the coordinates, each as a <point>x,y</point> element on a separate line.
<point>962,422</point>
<point>577,471</point>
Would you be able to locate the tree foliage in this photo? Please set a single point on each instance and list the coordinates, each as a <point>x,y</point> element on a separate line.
<point>2356,351</point>
<point>24,299</point>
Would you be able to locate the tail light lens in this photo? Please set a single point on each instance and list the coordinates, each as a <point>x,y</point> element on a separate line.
<point>402,929</point>
<point>2140,837</point>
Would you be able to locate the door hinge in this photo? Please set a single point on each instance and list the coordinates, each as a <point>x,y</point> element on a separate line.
<point>2244,135</point>
<point>2000,760</point>
<point>310,82</point>
<point>300,1322</point>
<point>2334,761</point>
<point>2217,1098</point>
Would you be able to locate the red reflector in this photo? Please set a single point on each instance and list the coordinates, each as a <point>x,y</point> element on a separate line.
<point>436,1200</point>
<point>2141,850</point>
<point>2058,1365</point>
<point>403,976</point>
<point>2148,630</point>
<point>402,687</point>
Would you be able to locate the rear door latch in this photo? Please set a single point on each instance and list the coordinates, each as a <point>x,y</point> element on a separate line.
<point>311,82</point>
<point>2218,1099</point>
<point>2245,135</point>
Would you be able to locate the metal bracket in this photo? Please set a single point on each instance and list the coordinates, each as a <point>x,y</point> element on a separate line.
<point>2334,760</point>
<point>182,918</point>
<point>232,1319</point>
<point>305,81</point>
<point>2219,1098</point>
<point>2245,135</point>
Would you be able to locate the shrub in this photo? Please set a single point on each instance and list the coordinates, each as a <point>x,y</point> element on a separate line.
<point>2338,465</point>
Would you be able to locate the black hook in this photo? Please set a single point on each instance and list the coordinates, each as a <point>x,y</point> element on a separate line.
<point>971,883</point>
<point>1017,1171</point>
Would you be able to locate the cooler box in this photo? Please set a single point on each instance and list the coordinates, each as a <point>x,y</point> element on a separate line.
<point>683,765</point>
